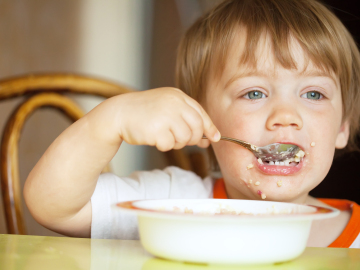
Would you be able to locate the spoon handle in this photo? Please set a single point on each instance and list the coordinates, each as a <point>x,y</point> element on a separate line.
<point>247,145</point>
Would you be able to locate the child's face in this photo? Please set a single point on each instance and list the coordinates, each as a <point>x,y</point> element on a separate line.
<point>270,105</point>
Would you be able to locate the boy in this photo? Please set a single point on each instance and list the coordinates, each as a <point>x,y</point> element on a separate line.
<point>263,71</point>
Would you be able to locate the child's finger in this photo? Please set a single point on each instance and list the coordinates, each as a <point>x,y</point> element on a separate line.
<point>195,123</point>
<point>203,143</point>
<point>165,141</point>
<point>212,133</point>
<point>182,133</point>
<point>210,130</point>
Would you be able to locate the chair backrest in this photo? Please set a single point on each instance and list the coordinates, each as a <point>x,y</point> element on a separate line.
<point>45,90</point>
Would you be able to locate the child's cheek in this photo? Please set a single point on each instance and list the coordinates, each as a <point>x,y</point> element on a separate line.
<point>233,160</point>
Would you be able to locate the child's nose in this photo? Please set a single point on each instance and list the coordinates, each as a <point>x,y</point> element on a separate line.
<point>283,116</point>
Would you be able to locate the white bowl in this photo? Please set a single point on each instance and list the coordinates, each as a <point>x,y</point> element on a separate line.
<point>257,232</point>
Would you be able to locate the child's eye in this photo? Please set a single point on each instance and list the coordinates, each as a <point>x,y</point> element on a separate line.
<point>254,95</point>
<point>312,95</point>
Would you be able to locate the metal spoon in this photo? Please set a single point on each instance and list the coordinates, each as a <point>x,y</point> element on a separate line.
<point>270,152</point>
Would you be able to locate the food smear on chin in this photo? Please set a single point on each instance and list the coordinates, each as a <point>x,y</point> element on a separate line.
<point>250,166</point>
<point>261,194</point>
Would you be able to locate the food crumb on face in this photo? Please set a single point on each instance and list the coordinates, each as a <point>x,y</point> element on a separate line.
<point>250,181</point>
<point>263,196</point>
<point>279,183</point>
<point>312,144</point>
<point>257,183</point>
<point>248,167</point>
<point>260,161</point>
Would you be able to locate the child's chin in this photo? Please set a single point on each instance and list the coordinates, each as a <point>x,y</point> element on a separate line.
<point>276,196</point>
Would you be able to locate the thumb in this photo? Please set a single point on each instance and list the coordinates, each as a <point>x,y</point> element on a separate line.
<point>210,130</point>
<point>212,133</point>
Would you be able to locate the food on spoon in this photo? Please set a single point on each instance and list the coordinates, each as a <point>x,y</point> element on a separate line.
<point>253,147</point>
<point>300,154</point>
<point>289,161</point>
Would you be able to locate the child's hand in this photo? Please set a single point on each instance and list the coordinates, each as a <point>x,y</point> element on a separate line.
<point>166,118</point>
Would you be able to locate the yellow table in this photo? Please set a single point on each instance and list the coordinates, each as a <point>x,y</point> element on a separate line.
<point>42,252</point>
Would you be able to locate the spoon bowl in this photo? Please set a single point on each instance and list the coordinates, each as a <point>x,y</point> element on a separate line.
<point>270,152</point>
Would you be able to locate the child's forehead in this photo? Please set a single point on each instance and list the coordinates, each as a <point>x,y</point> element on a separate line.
<point>264,62</point>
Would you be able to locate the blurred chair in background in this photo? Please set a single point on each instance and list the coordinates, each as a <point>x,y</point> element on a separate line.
<point>47,91</point>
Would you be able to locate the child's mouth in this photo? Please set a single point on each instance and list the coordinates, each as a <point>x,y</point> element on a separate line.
<point>281,167</point>
<point>289,162</point>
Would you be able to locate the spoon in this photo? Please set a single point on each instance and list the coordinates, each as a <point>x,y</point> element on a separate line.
<point>270,152</point>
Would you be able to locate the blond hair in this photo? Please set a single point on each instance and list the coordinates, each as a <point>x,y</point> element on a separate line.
<point>323,38</point>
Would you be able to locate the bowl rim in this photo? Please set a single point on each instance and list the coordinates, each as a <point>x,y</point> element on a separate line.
<point>319,212</point>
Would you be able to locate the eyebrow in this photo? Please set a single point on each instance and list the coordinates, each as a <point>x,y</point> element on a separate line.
<point>318,73</point>
<point>246,73</point>
<point>254,72</point>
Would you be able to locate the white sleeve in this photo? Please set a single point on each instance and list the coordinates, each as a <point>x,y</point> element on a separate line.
<point>171,182</point>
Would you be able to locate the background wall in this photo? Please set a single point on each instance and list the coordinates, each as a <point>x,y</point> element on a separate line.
<point>37,36</point>
<point>108,39</point>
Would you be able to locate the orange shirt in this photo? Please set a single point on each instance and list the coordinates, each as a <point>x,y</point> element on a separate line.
<point>347,237</point>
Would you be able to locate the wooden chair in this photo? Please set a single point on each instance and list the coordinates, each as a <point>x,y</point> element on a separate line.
<point>47,91</point>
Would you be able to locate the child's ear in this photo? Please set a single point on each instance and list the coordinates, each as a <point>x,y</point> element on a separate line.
<point>343,135</point>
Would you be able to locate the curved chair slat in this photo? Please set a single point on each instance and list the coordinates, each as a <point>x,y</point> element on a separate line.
<point>21,85</point>
<point>10,179</point>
